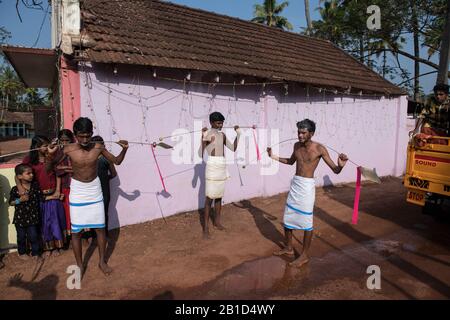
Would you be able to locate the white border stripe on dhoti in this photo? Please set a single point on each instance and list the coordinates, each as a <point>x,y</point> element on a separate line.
<point>86,205</point>
<point>215,175</point>
<point>298,213</point>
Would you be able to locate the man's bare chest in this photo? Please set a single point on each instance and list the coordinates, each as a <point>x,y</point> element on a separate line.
<point>305,156</point>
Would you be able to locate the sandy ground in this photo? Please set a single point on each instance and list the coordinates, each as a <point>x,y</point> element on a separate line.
<point>170,260</point>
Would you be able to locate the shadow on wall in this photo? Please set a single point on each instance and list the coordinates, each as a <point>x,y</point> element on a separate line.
<point>113,214</point>
<point>116,192</point>
<point>327,183</point>
<point>199,177</point>
<point>5,222</point>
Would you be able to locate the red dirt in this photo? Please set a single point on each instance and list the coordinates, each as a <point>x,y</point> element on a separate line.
<point>166,260</point>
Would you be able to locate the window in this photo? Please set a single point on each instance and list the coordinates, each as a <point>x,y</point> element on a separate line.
<point>14,130</point>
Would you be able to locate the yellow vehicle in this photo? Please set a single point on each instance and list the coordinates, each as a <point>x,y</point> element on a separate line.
<point>427,177</point>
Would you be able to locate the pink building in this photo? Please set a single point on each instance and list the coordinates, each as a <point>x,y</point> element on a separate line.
<point>143,69</point>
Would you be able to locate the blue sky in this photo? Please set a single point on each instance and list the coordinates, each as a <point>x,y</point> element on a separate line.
<point>26,33</point>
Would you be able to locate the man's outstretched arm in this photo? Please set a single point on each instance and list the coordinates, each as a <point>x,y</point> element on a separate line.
<point>54,156</point>
<point>289,161</point>
<point>119,159</point>
<point>342,160</point>
<point>233,147</point>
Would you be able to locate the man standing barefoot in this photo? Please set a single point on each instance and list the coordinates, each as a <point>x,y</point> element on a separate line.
<point>86,198</point>
<point>298,213</point>
<point>214,142</point>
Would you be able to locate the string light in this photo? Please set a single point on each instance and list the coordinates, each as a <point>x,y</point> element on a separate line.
<point>349,90</point>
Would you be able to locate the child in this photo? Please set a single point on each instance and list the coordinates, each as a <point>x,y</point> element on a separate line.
<point>53,220</point>
<point>214,142</point>
<point>27,211</point>
<point>105,171</point>
<point>64,170</point>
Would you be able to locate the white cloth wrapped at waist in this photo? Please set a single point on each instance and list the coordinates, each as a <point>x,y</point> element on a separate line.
<point>215,174</point>
<point>298,213</point>
<point>86,205</point>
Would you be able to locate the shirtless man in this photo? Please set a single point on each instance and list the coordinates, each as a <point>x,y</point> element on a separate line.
<point>298,214</point>
<point>214,141</point>
<point>86,198</point>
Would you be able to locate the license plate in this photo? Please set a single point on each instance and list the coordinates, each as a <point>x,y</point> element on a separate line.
<point>416,197</point>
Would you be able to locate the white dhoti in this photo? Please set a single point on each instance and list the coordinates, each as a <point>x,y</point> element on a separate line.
<point>298,214</point>
<point>215,175</point>
<point>86,205</point>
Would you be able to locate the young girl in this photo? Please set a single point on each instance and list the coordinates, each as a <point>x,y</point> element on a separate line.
<point>27,211</point>
<point>53,221</point>
<point>64,171</point>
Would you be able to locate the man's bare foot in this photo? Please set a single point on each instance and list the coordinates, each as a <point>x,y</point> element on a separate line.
<point>219,226</point>
<point>37,258</point>
<point>47,254</point>
<point>56,253</point>
<point>206,235</point>
<point>105,268</point>
<point>24,257</point>
<point>300,261</point>
<point>284,251</point>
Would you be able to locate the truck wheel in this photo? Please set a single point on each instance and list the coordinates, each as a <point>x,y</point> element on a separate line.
<point>430,208</point>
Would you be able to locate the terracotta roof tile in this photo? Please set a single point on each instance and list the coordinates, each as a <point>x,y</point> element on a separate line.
<point>162,34</point>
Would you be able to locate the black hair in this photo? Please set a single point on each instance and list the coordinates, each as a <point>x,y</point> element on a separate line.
<point>37,142</point>
<point>441,87</point>
<point>83,125</point>
<point>307,124</point>
<point>97,139</point>
<point>20,168</point>
<point>68,133</point>
<point>216,116</point>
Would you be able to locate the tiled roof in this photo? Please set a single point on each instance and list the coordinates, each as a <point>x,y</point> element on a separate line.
<point>161,34</point>
<point>16,117</point>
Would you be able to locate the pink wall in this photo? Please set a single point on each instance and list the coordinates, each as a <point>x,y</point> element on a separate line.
<point>132,105</point>
<point>70,88</point>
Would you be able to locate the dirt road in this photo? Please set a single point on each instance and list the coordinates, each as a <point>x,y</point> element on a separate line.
<point>170,260</point>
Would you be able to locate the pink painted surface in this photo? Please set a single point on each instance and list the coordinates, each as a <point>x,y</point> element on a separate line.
<point>357,196</point>
<point>133,105</point>
<point>9,165</point>
<point>70,87</point>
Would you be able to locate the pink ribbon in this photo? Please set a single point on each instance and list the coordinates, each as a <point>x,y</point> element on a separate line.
<point>258,154</point>
<point>159,171</point>
<point>357,194</point>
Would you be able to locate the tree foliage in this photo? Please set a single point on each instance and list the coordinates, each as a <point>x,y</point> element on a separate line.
<point>269,13</point>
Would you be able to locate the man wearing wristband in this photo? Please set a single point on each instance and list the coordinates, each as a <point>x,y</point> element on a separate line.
<point>214,141</point>
<point>298,213</point>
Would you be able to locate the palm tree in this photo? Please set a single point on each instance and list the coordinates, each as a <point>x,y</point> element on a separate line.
<point>269,13</point>
<point>11,88</point>
<point>308,18</point>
